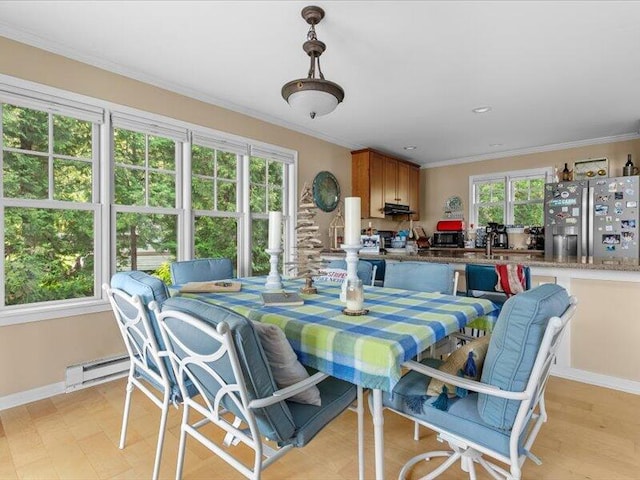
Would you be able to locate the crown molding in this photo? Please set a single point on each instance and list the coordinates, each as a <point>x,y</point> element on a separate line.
<point>68,52</point>
<point>543,148</point>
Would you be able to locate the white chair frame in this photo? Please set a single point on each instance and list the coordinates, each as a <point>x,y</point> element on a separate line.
<point>531,398</point>
<point>141,346</point>
<point>214,411</point>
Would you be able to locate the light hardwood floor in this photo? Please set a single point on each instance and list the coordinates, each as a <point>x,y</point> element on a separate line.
<point>592,433</point>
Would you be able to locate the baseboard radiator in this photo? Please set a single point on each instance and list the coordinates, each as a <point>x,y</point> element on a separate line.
<point>98,371</point>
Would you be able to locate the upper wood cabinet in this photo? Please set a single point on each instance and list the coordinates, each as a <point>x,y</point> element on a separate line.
<point>378,179</point>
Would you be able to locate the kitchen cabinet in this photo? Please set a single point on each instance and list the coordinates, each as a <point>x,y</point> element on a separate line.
<point>378,179</point>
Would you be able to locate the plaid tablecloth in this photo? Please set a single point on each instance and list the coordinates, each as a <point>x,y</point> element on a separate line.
<point>366,350</point>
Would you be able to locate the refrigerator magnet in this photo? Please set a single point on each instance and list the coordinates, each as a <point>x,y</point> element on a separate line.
<point>611,239</point>
<point>632,204</point>
<point>628,223</point>
<point>617,211</point>
<point>619,195</point>
<point>609,218</point>
<point>601,209</point>
<point>613,187</point>
<point>618,204</point>
<point>608,228</point>
<point>610,248</point>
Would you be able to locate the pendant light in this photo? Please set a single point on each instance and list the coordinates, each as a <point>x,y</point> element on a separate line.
<point>313,96</point>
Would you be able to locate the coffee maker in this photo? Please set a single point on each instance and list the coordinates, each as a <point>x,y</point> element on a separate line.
<point>536,238</point>
<point>501,238</point>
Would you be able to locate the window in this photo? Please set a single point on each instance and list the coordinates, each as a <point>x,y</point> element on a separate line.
<point>511,198</point>
<point>266,179</point>
<point>48,202</point>
<point>84,194</point>
<point>215,198</point>
<point>146,194</point>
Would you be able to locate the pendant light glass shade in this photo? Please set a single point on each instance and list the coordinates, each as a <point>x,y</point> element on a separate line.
<point>313,96</point>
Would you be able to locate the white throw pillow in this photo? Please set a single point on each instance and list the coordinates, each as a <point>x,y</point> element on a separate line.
<point>331,275</point>
<point>285,367</point>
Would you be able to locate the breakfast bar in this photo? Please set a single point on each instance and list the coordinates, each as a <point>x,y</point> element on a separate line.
<point>609,298</point>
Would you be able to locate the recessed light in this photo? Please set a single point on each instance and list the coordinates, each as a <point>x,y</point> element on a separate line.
<point>410,147</point>
<point>484,109</point>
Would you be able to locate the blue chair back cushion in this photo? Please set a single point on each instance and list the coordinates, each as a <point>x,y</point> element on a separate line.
<point>365,269</point>
<point>484,278</point>
<point>201,270</point>
<point>149,289</point>
<point>513,348</point>
<point>380,267</point>
<point>274,421</point>
<point>420,276</point>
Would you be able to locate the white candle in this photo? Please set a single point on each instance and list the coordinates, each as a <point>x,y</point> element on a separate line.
<point>352,221</point>
<point>275,230</point>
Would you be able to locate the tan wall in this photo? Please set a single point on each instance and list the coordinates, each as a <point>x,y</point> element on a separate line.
<point>438,184</point>
<point>605,330</point>
<point>36,354</point>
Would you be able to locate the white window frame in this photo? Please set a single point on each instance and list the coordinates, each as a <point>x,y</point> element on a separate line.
<point>507,178</point>
<point>13,93</point>
<point>55,100</point>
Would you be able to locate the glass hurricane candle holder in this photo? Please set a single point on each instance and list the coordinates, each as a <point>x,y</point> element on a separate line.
<point>355,295</point>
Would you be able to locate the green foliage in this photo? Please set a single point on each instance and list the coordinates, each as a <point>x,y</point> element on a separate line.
<point>49,251</point>
<point>163,272</point>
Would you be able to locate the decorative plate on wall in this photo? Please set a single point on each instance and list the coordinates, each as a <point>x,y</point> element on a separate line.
<point>326,191</point>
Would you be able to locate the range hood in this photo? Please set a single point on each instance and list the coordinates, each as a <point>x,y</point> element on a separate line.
<point>396,209</point>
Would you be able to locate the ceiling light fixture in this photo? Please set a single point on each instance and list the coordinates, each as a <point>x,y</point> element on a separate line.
<point>311,95</point>
<point>410,147</point>
<point>482,109</point>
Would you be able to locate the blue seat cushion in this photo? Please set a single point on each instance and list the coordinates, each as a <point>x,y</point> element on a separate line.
<point>513,348</point>
<point>201,270</point>
<point>275,421</point>
<point>336,395</point>
<point>461,418</point>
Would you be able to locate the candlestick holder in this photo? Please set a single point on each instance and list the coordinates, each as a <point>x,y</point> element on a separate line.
<point>352,267</point>
<point>274,280</point>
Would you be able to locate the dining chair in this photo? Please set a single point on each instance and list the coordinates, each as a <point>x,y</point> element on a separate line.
<point>366,270</point>
<point>201,270</point>
<point>421,277</point>
<point>128,293</point>
<point>500,415</point>
<point>481,281</point>
<point>220,352</point>
<point>378,269</point>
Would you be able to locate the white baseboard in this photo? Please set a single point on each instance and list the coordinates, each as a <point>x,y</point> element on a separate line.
<point>28,396</point>
<point>598,379</point>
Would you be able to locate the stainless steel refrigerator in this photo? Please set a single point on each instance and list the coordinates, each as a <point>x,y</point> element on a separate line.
<point>595,218</point>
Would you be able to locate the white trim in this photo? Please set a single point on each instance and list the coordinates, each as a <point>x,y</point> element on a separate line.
<point>539,149</point>
<point>597,379</point>
<point>33,395</point>
<point>18,314</point>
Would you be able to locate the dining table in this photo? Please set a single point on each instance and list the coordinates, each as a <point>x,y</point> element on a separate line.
<point>367,350</point>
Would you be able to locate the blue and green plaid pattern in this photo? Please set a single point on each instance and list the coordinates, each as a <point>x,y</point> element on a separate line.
<point>367,350</point>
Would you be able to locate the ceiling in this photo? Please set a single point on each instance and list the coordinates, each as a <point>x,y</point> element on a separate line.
<point>554,73</point>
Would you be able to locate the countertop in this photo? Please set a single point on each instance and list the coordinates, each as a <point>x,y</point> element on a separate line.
<point>534,258</point>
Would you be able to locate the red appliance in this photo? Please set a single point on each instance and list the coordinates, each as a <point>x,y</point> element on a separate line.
<point>450,226</point>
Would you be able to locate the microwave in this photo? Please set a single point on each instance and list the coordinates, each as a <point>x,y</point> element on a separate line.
<point>448,239</point>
